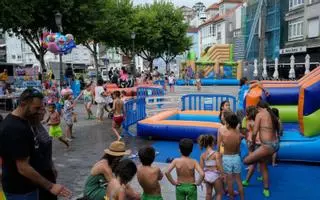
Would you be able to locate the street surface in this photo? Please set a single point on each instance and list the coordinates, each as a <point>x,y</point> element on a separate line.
<point>92,138</point>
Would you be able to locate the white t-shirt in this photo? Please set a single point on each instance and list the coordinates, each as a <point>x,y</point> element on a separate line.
<point>99,98</point>
<point>171,79</point>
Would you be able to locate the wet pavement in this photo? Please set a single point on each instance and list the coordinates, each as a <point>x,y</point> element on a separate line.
<point>92,138</point>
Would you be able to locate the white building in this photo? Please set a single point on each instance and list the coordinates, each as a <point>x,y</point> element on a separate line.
<point>219,28</point>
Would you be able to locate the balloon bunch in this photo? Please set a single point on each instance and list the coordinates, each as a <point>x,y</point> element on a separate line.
<point>57,43</point>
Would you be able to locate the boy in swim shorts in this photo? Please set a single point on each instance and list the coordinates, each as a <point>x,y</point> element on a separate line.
<point>186,185</point>
<point>231,160</point>
<point>118,114</point>
<point>149,176</point>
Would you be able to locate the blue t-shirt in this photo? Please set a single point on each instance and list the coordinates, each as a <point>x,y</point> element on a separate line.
<point>241,96</point>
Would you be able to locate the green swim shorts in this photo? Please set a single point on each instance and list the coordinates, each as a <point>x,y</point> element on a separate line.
<point>186,191</point>
<point>151,197</point>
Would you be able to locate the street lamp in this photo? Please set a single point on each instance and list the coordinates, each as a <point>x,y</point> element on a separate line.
<point>58,19</point>
<point>133,64</point>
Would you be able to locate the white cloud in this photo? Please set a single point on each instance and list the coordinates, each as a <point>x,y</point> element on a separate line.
<point>188,3</point>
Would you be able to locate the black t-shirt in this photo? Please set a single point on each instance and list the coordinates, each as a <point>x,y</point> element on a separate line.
<point>17,141</point>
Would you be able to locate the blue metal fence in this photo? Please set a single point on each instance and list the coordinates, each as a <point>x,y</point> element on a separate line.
<point>149,91</point>
<point>207,102</point>
<point>135,110</point>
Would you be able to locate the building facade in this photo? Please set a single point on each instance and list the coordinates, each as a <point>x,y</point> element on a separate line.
<point>303,37</point>
<point>270,30</point>
<point>220,28</point>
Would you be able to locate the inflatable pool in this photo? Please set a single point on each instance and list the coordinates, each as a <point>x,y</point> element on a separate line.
<point>175,125</point>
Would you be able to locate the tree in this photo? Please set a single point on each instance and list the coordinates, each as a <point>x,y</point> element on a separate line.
<point>160,31</point>
<point>174,39</point>
<point>29,20</point>
<point>100,21</point>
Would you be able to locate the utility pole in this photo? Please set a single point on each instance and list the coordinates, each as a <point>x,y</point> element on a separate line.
<point>262,31</point>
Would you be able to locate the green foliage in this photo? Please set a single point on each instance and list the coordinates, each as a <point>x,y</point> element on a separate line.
<point>29,19</point>
<point>160,31</point>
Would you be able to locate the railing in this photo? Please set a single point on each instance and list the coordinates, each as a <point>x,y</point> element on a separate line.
<point>149,91</point>
<point>158,104</point>
<point>135,110</point>
<point>209,102</point>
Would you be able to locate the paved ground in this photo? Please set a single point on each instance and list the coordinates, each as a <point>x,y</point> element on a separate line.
<point>91,139</point>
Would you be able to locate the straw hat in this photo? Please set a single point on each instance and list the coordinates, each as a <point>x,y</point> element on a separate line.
<point>117,148</point>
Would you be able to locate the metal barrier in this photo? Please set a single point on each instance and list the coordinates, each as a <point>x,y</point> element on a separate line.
<point>158,104</point>
<point>135,110</point>
<point>149,91</point>
<point>206,102</point>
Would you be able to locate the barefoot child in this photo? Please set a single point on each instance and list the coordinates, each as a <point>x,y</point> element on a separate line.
<point>210,161</point>
<point>118,186</point>
<point>118,114</point>
<point>53,121</point>
<point>172,80</point>
<point>67,114</point>
<point>88,97</point>
<point>186,184</point>
<point>198,82</point>
<point>279,134</point>
<point>149,176</point>
<point>231,160</point>
<point>251,113</point>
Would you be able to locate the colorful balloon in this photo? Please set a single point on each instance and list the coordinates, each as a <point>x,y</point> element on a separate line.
<point>53,47</point>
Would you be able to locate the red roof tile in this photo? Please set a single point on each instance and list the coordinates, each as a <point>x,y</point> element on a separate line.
<point>214,6</point>
<point>230,1</point>
<point>220,17</point>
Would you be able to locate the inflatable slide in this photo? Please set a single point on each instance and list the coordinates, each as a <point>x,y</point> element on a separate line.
<point>299,107</point>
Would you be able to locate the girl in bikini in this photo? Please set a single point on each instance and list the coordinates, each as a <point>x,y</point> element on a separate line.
<point>124,173</point>
<point>210,162</point>
<point>251,113</point>
<point>267,125</point>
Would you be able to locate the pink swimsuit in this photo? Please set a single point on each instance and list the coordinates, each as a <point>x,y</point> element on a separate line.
<point>210,176</point>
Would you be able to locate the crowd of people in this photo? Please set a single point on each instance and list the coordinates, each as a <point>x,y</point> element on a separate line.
<point>29,172</point>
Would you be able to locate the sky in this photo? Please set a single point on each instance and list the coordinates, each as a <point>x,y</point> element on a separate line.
<point>179,3</point>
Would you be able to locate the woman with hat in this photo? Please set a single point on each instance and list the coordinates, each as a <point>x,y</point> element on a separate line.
<point>102,172</point>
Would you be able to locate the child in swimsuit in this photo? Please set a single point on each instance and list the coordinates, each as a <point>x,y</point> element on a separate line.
<point>88,97</point>
<point>118,186</point>
<point>279,134</point>
<point>251,113</point>
<point>198,82</point>
<point>149,176</point>
<point>186,184</point>
<point>53,121</point>
<point>231,160</point>
<point>118,114</point>
<point>210,162</point>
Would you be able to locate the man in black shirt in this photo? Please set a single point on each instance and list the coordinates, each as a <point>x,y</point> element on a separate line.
<point>18,149</point>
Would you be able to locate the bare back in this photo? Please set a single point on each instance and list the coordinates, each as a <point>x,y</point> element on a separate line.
<point>118,107</point>
<point>231,141</point>
<point>149,178</point>
<point>263,124</point>
<point>185,168</point>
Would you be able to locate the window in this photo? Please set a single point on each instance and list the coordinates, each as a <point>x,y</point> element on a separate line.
<point>313,27</point>
<point>230,27</point>
<point>295,3</point>
<point>13,56</point>
<point>219,36</point>
<point>221,9</point>
<point>295,31</point>
<point>214,30</point>
<point>219,32</point>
